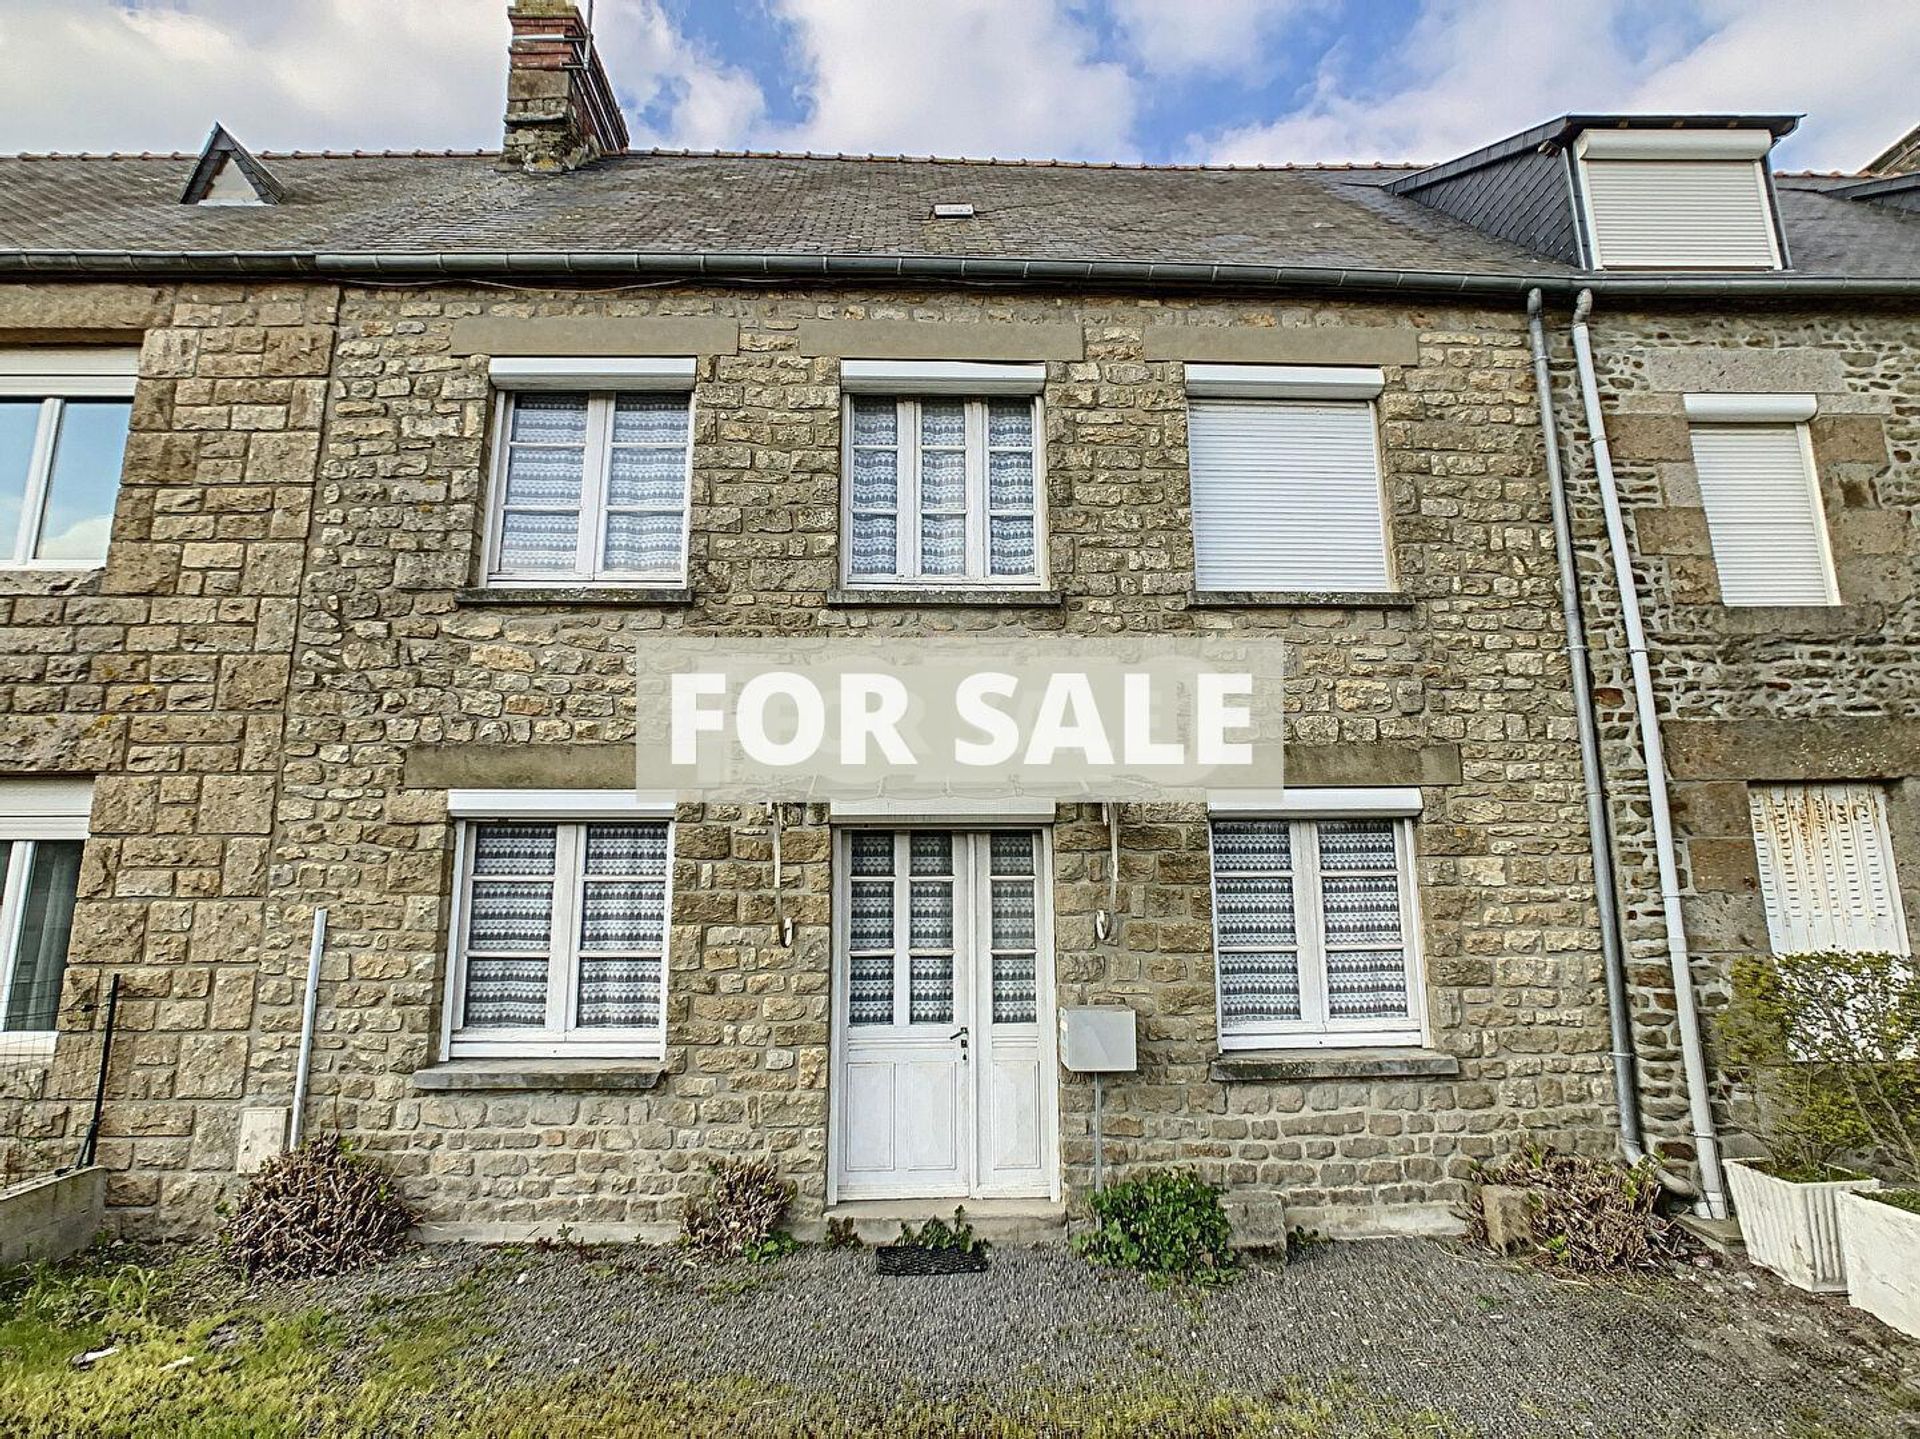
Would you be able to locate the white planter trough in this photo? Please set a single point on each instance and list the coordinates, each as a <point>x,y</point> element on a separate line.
<point>1881,1245</point>
<point>1793,1229</point>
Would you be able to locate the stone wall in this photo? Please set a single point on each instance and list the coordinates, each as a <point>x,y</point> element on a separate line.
<point>164,677</point>
<point>396,660</point>
<point>250,581</point>
<point>1751,693</point>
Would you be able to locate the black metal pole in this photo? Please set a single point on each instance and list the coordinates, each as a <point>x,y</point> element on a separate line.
<point>100,1084</point>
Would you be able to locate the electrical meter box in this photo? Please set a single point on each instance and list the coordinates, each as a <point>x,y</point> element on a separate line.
<point>1098,1039</point>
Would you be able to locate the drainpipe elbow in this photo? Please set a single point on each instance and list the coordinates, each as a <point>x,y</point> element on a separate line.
<point>1535,302</point>
<point>1582,307</point>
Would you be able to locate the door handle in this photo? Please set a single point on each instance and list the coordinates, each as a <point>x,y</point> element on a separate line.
<point>961,1035</point>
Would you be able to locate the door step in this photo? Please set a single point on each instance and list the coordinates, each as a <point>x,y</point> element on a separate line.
<point>1000,1221</point>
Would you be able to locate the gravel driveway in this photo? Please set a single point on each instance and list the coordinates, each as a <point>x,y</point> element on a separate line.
<point>1502,1350</point>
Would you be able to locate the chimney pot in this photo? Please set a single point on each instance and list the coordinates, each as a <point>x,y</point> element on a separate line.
<point>561,109</point>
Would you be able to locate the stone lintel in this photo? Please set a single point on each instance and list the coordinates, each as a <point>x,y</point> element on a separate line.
<point>1284,344</point>
<point>592,335</point>
<point>1377,762</point>
<point>519,766</point>
<point>941,340</point>
<point>1850,748</point>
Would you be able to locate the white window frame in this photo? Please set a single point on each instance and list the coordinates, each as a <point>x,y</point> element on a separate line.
<point>1279,385</point>
<point>1314,1029</point>
<point>570,812</point>
<point>31,811</point>
<point>1739,410</point>
<point>1721,147</point>
<point>54,376</point>
<point>602,381</point>
<point>906,499</point>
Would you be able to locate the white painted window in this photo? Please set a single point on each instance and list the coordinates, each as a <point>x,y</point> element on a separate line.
<point>591,485</point>
<point>943,490</point>
<point>43,826</point>
<point>1678,200</point>
<point>63,437</point>
<point>1314,926</point>
<point>562,938</point>
<point>1826,869</point>
<point>1762,500</point>
<point>921,903</point>
<point>1286,495</point>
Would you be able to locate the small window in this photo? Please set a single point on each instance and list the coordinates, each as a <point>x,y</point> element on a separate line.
<point>591,486</point>
<point>1286,495</point>
<point>1678,200</point>
<point>564,939</point>
<point>943,491</point>
<point>63,439</point>
<point>1826,869</point>
<point>43,826</point>
<point>1313,942</point>
<point>1763,514</point>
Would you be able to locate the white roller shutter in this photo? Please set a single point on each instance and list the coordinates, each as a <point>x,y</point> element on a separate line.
<point>1763,513</point>
<point>1680,215</point>
<point>1826,869</point>
<point>1286,496</point>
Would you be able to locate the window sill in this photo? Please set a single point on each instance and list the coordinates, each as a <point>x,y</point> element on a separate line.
<point>30,1047</point>
<point>1299,600</point>
<point>600,596</point>
<point>32,581</point>
<point>910,596</point>
<point>540,1074</point>
<point>1381,1062</point>
<point>1786,621</point>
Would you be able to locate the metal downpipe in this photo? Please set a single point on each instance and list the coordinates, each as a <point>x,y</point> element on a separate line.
<point>1626,1087</point>
<point>1647,717</point>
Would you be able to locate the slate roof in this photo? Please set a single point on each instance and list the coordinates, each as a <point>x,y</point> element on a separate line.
<point>670,202</point>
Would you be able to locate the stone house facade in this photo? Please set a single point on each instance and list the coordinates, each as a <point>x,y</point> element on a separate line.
<point>330,660</point>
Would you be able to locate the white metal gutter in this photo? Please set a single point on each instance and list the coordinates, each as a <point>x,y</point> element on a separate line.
<point>1647,718</point>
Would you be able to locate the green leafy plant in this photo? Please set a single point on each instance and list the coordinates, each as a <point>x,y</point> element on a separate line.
<point>938,1234</point>
<point>1828,1046</point>
<point>1589,1215</point>
<point>739,1215</point>
<point>320,1209</point>
<point>1167,1223</point>
<point>844,1234</point>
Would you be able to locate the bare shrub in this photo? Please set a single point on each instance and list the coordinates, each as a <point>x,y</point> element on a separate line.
<point>1590,1215</point>
<point>740,1213</point>
<point>317,1210</point>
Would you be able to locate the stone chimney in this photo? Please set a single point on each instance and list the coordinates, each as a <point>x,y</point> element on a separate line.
<point>561,111</point>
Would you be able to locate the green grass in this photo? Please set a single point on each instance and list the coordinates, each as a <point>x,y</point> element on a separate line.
<point>424,1365</point>
<point>1907,1199</point>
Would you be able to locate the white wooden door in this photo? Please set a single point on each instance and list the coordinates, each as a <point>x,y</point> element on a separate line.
<point>943,1017</point>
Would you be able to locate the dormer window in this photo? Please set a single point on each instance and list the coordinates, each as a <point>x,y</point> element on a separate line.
<point>1678,200</point>
<point>227,173</point>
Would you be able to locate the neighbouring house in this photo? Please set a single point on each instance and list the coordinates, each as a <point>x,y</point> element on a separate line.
<point>341,497</point>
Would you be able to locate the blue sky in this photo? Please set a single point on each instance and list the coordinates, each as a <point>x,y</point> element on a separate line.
<point>1155,80</point>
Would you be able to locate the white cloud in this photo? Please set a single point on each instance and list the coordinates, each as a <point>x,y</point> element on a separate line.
<point>973,77</point>
<point>710,105</point>
<point>1481,69</point>
<point>1228,37</point>
<point>1848,65</point>
<point>322,74</point>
